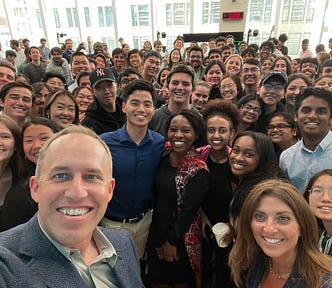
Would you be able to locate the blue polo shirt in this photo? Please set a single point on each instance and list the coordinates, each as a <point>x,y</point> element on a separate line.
<point>300,163</point>
<point>134,168</point>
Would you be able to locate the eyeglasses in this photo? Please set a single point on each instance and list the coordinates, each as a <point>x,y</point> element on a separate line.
<point>311,65</point>
<point>318,192</point>
<point>252,70</point>
<point>269,86</point>
<point>280,126</point>
<point>248,107</point>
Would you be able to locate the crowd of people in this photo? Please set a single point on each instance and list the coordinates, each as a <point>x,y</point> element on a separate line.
<point>116,165</point>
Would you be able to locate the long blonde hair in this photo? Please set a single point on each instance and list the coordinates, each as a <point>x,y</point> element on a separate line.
<point>310,263</point>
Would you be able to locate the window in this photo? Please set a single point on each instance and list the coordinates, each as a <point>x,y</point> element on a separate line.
<point>108,16</point>
<point>211,12</point>
<point>267,12</point>
<point>140,15</point>
<point>75,17</point>
<point>256,10</point>
<point>40,22</point>
<point>72,17</point>
<point>105,16</point>
<point>56,17</point>
<point>298,10</point>
<point>286,10</point>
<point>139,41</point>
<point>177,14</point>
<point>101,17</point>
<point>311,10</point>
<point>87,17</point>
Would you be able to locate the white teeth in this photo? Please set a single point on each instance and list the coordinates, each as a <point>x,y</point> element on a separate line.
<point>178,143</point>
<point>272,241</point>
<point>326,208</point>
<point>140,116</point>
<point>216,142</point>
<point>238,166</point>
<point>73,212</point>
<point>312,123</point>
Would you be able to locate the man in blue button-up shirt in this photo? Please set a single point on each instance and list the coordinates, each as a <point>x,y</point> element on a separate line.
<point>313,113</point>
<point>136,152</point>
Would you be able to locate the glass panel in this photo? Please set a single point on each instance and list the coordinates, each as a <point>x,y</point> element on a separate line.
<point>108,16</point>
<point>87,17</point>
<point>75,17</point>
<point>215,12</point>
<point>169,16</point>
<point>69,17</point>
<point>144,15</point>
<point>56,17</point>
<point>40,23</point>
<point>179,14</point>
<point>101,16</point>
<point>133,15</point>
<point>298,10</point>
<point>205,12</point>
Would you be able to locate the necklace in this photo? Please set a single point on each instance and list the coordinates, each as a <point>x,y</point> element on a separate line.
<point>283,276</point>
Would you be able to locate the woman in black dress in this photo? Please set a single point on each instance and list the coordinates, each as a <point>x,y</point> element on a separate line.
<point>174,243</point>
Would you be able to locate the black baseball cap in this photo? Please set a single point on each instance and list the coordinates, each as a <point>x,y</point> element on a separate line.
<point>275,75</point>
<point>101,74</point>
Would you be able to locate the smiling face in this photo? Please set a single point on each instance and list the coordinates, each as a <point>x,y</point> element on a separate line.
<point>135,60</point>
<point>34,138</point>
<point>72,191</point>
<point>195,59</point>
<point>181,134</point>
<point>7,75</point>
<point>233,65</point>
<point>139,109</point>
<point>175,56</point>
<point>17,103</point>
<point>180,88</point>
<point>62,111</point>
<point>314,118</point>
<point>272,96</point>
<point>57,57</point>
<point>321,203</point>
<point>250,111</point>
<point>83,99</point>
<point>280,132</point>
<point>275,229</point>
<point>214,75</point>
<point>250,74</point>
<point>293,89</point>
<point>218,132</point>
<point>200,96</point>
<point>244,158</point>
<point>228,89</point>
<point>151,67</point>
<point>7,144</point>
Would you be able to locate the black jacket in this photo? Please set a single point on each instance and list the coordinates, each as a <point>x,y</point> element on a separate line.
<point>101,121</point>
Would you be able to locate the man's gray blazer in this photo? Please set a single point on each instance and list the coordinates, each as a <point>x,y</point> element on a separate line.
<point>43,265</point>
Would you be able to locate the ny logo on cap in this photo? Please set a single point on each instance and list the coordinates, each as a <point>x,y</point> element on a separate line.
<point>100,72</point>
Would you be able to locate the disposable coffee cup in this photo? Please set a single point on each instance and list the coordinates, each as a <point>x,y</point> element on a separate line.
<point>219,231</point>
